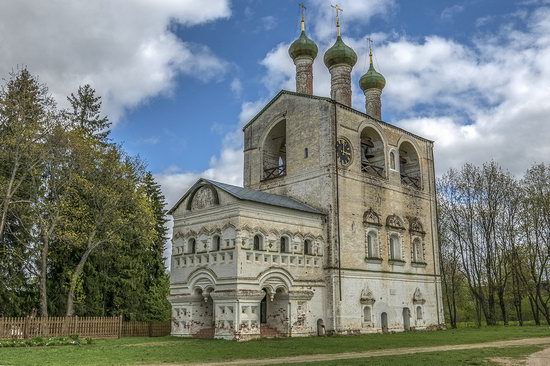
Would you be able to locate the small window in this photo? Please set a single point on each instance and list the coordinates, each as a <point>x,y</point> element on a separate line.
<point>419,312</point>
<point>372,247</point>
<point>418,256</point>
<point>395,247</point>
<point>306,153</point>
<point>285,248</point>
<point>258,242</point>
<point>192,246</point>
<point>216,242</point>
<point>367,314</point>
<point>308,247</point>
<point>392,160</point>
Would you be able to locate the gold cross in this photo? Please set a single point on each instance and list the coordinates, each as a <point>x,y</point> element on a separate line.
<point>370,49</point>
<point>302,10</point>
<point>338,9</point>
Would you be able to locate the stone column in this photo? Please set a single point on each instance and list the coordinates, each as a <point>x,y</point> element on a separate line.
<point>373,104</point>
<point>340,83</point>
<point>304,74</point>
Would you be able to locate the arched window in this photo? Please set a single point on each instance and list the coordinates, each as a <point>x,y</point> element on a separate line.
<point>258,242</point>
<point>216,243</point>
<point>392,160</point>
<point>418,255</point>
<point>409,165</point>
<point>372,152</point>
<point>192,246</point>
<point>372,244</point>
<point>395,247</point>
<point>367,316</point>
<point>308,247</point>
<point>418,312</point>
<point>274,152</point>
<point>285,247</point>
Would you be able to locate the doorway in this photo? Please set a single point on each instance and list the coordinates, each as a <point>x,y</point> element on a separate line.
<point>384,322</point>
<point>406,319</point>
<point>263,310</point>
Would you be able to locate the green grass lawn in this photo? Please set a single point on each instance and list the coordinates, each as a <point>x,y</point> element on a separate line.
<point>449,358</point>
<point>132,351</point>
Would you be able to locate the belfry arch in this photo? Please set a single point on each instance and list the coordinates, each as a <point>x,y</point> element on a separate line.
<point>274,152</point>
<point>373,160</point>
<point>409,165</point>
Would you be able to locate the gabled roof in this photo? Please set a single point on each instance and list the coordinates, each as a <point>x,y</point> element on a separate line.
<point>326,99</point>
<point>246,194</point>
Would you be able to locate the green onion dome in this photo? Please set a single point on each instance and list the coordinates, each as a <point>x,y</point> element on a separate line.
<point>303,46</point>
<point>340,53</point>
<point>372,79</point>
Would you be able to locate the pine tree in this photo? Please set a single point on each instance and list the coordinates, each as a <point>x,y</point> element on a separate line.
<point>85,113</point>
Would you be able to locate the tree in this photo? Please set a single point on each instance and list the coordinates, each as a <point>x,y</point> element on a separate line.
<point>85,113</point>
<point>26,112</point>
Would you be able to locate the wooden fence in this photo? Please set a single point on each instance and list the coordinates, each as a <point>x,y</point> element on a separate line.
<point>85,327</point>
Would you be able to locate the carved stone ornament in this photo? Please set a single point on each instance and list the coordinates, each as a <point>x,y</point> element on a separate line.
<point>203,198</point>
<point>367,297</point>
<point>371,217</point>
<point>416,226</point>
<point>395,221</point>
<point>418,298</point>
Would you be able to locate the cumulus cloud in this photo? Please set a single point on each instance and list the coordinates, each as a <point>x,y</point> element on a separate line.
<point>123,48</point>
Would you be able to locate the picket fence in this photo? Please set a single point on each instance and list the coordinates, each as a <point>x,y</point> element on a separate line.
<point>85,327</point>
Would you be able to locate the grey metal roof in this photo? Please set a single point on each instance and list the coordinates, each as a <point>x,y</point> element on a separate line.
<point>246,194</point>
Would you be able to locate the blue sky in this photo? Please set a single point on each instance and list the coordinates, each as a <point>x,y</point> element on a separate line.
<point>179,78</point>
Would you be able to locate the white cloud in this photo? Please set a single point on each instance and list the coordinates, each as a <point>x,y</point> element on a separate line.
<point>124,48</point>
<point>236,86</point>
<point>480,102</point>
<point>451,11</point>
<point>355,13</point>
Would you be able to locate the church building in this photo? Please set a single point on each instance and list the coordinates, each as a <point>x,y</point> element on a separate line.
<point>334,231</point>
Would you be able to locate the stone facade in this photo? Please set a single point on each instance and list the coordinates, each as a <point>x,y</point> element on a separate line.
<point>340,83</point>
<point>304,74</point>
<point>373,104</point>
<point>362,259</point>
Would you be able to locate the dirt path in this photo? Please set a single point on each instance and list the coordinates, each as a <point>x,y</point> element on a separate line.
<point>387,352</point>
<point>541,358</point>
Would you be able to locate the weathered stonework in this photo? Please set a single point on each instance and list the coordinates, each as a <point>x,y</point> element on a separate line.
<point>361,257</point>
<point>304,74</point>
<point>340,83</point>
<point>373,104</point>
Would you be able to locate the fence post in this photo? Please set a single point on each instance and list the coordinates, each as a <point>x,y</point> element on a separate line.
<point>26,328</point>
<point>120,326</point>
<point>75,325</point>
<point>150,328</point>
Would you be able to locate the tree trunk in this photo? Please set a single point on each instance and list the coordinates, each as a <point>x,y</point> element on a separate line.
<point>43,276</point>
<point>8,197</point>
<point>76,275</point>
<point>502,305</point>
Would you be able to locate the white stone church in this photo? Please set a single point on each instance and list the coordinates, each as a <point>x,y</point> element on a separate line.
<point>335,229</point>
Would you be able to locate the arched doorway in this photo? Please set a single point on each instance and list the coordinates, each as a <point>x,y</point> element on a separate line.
<point>274,313</point>
<point>321,327</point>
<point>263,309</point>
<point>384,322</point>
<point>406,319</point>
<point>204,314</point>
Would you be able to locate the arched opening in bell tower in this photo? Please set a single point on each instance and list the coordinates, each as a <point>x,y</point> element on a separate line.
<point>274,152</point>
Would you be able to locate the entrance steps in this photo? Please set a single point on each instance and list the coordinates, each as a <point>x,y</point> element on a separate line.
<point>205,333</point>
<point>268,332</point>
